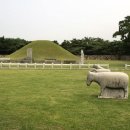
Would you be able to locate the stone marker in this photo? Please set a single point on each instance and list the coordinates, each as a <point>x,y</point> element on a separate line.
<point>29,53</point>
<point>82,57</point>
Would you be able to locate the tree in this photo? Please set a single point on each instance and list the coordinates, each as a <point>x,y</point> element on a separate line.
<point>56,42</point>
<point>124,30</point>
<point>124,33</point>
<point>10,45</point>
<point>66,44</point>
<point>90,46</point>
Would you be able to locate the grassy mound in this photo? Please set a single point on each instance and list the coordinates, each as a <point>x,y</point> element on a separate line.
<point>42,50</point>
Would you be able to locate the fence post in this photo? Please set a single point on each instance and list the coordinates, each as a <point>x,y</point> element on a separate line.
<point>70,66</point>
<point>9,65</point>
<point>18,65</point>
<point>35,65</point>
<point>125,66</point>
<point>1,65</point>
<point>52,66</point>
<point>88,66</point>
<point>26,65</point>
<point>61,65</point>
<point>43,65</point>
<point>79,66</point>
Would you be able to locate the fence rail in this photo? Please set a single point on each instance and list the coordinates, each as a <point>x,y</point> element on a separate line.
<point>47,66</point>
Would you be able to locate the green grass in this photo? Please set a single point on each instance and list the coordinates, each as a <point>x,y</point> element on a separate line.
<point>57,100</point>
<point>43,50</point>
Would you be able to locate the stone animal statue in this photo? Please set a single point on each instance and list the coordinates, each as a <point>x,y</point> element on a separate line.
<point>98,68</point>
<point>115,80</point>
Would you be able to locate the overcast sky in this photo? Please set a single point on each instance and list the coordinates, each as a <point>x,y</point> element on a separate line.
<point>61,19</point>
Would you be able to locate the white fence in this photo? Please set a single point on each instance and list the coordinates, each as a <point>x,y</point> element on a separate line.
<point>127,66</point>
<point>47,66</point>
<point>4,59</point>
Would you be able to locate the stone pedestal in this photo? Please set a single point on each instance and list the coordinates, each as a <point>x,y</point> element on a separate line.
<point>113,93</point>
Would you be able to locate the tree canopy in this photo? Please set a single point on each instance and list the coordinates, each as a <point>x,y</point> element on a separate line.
<point>93,46</point>
<point>124,33</point>
<point>9,45</point>
<point>124,30</point>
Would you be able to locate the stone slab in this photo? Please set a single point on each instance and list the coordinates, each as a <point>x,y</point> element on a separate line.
<point>113,93</point>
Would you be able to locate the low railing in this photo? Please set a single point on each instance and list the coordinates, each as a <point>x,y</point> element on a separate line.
<point>47,66</point>
<point>4,59</point>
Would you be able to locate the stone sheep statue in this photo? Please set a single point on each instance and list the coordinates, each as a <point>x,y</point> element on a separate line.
<point>110,80</point>
<point>98,68</point>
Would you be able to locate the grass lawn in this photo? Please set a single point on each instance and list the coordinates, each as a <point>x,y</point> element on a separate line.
<point>57,100</point>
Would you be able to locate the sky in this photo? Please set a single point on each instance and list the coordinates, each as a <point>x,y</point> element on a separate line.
<point>61,19</point>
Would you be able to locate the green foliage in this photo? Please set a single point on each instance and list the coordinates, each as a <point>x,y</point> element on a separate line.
<point>57,100</point>
<point>124,29</point>
<point>56,42</point>
<point>95,46</point>
<point>42,50</point>
<point>124,33</point>
<point>10,45</point>
<point>90,46</point>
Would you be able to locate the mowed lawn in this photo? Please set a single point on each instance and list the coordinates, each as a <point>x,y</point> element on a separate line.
<point>57,100</point>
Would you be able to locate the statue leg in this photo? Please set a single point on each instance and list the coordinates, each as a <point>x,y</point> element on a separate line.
<point>101,92</point>
<point>126,92</point>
